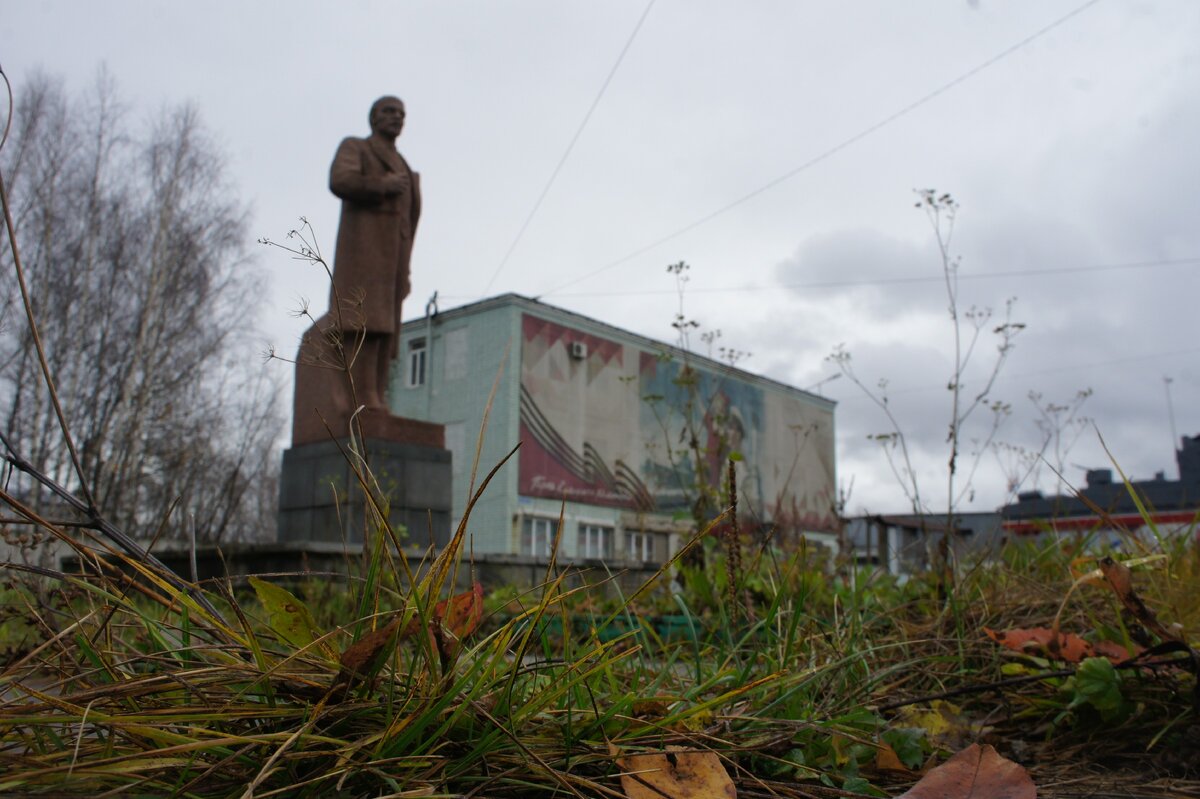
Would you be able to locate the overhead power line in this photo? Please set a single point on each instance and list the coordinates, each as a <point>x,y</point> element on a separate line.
<point>567,153</point>
<point>1053,370</point>
<point>889,281</point>
<point>945,87</point>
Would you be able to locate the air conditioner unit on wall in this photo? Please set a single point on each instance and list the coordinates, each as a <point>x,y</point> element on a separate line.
<point>577,350</point>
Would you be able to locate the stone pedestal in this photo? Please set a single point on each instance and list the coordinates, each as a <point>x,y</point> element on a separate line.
<point>320,498</point>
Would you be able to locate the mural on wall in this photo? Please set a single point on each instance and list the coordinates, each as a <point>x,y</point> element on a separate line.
<point>603,423</point>
<point>726,416</point>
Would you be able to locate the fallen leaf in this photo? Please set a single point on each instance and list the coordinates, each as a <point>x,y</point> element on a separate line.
<point>288,616</point>
<point>1115,652</point>
<point>452,620</point>
<point>460,614</point>
<point>886,759</point>
<point>1064,646</point>
<point>463,613</point>
<point>1120,579</point>
<point>696,721</point>
<point>365,656</point>
<point>977,772</point>
<point>944,723</point>
<point>1043,641</point>
<point>677,773</point>
<point>650,707</point>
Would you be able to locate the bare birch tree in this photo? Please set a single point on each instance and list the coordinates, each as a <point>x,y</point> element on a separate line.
<point>133,245</point>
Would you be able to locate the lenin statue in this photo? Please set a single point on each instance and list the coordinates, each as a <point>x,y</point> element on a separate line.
<point>345,357</point>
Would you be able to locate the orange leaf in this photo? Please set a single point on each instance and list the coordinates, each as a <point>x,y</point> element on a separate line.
<point>1115,652</point>
<point>465,614</point>
<point>977,772</point>
<point>886,759</point>
<point>462,614</point>
<point>675,774</point>
<point>1064,646</point>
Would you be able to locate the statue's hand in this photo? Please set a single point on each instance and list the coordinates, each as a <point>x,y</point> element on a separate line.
<point>395,183</point>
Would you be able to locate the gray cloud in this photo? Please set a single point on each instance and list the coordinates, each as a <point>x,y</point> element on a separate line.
<point>1076,150</point>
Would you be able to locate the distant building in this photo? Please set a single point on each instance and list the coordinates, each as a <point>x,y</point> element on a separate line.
<point>599,415</point>
<point>1106,509</point>
<point>907,543</point>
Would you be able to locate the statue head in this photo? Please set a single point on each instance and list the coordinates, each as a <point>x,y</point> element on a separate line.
<point>387,116</point>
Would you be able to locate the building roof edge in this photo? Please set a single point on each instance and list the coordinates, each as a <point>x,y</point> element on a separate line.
<point>537,306</point>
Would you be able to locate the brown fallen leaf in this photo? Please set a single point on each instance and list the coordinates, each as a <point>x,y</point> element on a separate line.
<point>463,613</point>
<point>460,614</point>
<point>1120,579</point>
<point>654,707</point>
<point>886,759</point>
<point>364,657</point>
<point>1063,646</point>
<point>977,772</point>
<point>1115,652</point>
<point>452,620</point>
<point>677,773</point>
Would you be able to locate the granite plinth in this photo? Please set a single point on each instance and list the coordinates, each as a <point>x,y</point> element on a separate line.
<point>322,499</point>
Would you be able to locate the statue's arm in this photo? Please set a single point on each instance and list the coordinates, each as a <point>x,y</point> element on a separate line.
<point>416,209</point>
<point>349,180</point>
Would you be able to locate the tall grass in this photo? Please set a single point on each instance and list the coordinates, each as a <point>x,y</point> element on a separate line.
<point>144,684</point>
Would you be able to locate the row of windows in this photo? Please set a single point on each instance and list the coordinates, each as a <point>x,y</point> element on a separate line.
<point>593,541</point>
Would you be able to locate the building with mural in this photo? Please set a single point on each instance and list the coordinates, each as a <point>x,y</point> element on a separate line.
<point>616,431</point>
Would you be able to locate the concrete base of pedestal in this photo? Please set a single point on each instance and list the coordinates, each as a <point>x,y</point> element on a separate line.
<point>320,498</point>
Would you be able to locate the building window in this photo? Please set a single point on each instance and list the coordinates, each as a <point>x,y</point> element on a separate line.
<point>537,536</point>
<point>642,546</point>
<point>595,541</point>
<point>416,362</point>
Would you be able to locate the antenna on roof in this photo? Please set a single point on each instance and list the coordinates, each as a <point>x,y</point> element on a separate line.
<point>1167,381</point>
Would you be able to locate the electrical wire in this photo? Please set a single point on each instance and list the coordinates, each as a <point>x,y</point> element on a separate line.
<point>567,153</point>
<point>1050,370</point>
<point>887,281</point>
<point>945,87</point>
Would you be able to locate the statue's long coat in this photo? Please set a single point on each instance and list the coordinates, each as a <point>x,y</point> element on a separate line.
<point>375,236</point>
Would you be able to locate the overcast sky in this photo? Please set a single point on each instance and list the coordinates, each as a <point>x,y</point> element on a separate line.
<point>774,146</point>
